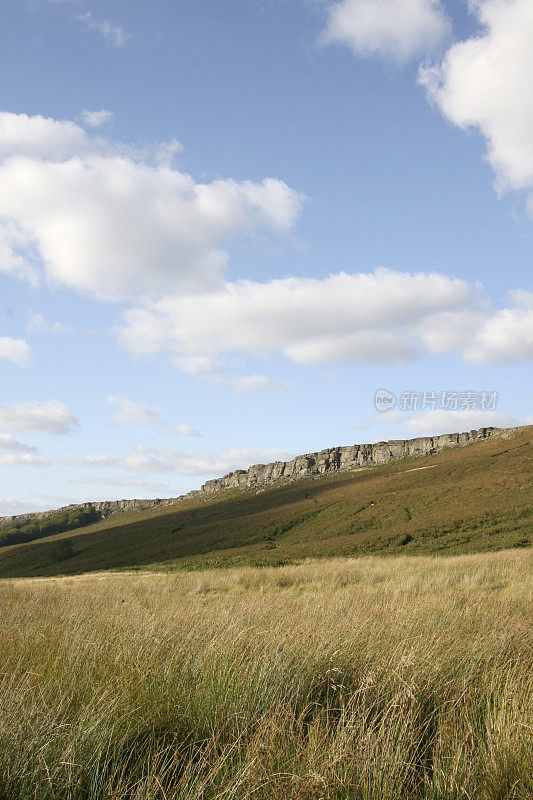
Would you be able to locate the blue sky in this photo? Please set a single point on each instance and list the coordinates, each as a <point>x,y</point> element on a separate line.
<point>223,227</point>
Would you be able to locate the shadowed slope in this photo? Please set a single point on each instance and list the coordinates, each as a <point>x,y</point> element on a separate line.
<point>472,498</point>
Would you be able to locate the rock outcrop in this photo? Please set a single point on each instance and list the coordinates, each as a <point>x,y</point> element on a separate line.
<point>325,462</point>
<point>342,459</point>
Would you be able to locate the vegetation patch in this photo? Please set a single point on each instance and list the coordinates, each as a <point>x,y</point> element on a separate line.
<point>348,679</point>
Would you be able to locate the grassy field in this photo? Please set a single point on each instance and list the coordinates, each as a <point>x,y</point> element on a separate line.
<point>367,678</point>
<point>467,499</point>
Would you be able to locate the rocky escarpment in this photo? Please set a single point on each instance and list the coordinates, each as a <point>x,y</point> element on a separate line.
<point>343,459</point>
<point>324,462</point>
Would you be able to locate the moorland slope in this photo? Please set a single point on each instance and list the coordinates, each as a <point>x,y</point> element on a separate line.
<point>462,499</point>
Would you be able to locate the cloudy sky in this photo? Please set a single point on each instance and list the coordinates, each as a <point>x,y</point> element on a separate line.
<point>225,226</point>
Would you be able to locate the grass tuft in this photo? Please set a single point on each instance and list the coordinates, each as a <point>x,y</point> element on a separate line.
<point>348,679</point>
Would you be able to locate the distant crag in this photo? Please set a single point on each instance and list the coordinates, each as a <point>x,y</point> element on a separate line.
<point>100,510</point>
<point>345,459</point>
<point>259,476</point>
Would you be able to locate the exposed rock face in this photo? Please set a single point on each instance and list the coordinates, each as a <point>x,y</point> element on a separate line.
<point>343,459</point>
<point>332,460</point>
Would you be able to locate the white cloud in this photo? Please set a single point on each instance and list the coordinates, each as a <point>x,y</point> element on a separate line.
<point>160,459</point>
<point>392,29</point>
<point>340,318</point>
<point>114,221</point>
<point>35,321</point>
<point>41,137</point>
<point>504,337</point>
<point>121,480</point>
<point>12,444</point>
<point>96,119</point>
<point>23,460</point>
<point>484,335</point>
<point>522,298</point>
<point>484,83</point>
<point>51,417</point>
<point>179,430</point>
<point>450,331</point>
<point>165,153</point>
<point>16,350</point>
<point>15,452</point>
<point>131,413</point>
<point>431,423</point>
<point>16,253</point>
<point>114,34</point>
<point>367,345</point>
<point>385,317</point>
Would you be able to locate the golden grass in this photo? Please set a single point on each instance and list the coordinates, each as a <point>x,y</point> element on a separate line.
<point>368,678</point>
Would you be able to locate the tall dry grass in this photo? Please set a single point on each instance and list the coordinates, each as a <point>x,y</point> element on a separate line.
<point>368,679</point>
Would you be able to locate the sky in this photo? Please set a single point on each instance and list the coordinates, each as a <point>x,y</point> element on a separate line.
<point>229,230</point>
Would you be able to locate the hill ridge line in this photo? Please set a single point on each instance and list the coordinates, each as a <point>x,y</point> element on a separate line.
<point>331,460</point>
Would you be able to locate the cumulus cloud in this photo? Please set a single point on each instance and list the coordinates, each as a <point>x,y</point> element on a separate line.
<point>116,222</point>
<point>483,82</point>
<point>96,119</point>
<point>162,459</point>
<point>391,29</point>
<point>488,336</point>
<point>51,417</point>
<point>16,350</point>
<point>431,423</point>
<point>114,34</point>
<point>504,337</point>
<point>41,137</point>
<point>342,317</point>
<point>386,317</point>
<point>130,413</point>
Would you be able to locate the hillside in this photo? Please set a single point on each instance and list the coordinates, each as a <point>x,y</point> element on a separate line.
<point>23,528</point>
<point>462,499</point>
